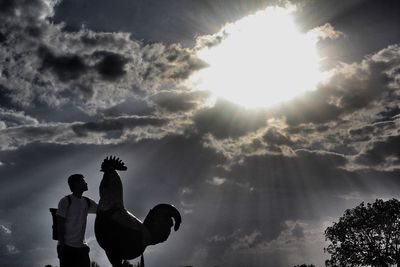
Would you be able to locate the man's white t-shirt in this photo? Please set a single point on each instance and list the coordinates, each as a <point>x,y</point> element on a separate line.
<point>75,215</point>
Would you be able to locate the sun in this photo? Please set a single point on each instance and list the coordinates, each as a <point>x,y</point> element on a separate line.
<point>262,60</point>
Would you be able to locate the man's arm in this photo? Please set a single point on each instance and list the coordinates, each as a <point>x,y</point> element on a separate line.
<point>92,206</point>
<point>61,217</point>
<point>61,229</point>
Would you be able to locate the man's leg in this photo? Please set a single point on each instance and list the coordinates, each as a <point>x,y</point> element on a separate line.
<point>66,256</point>
<point>61,256</point>
<point>82,257</point>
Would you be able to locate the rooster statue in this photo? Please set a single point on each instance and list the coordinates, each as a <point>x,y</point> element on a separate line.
<point>118,232</point>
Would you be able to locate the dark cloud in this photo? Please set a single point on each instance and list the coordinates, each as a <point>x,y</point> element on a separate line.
<point>388,113</point>
<point>172,62</point>
<point>12,118</point>
<point>111,66</point>
<point>23,8</point>
<point>66,67</point>
<point>368,132</point>
<point>226,119</point>
<point>382,153</point>
<point>359,93</point>
<point>116,125</point>
<point>3,37</point>
<point>312,107</point>
<point>6,98</point>
<point>101,132</point>
<point>179,101</point>
<point>274,137</point>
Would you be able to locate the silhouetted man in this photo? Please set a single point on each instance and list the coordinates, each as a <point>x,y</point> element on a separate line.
<point>71,221</point>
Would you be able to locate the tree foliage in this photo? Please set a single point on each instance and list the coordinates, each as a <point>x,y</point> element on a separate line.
<point>367,235</point>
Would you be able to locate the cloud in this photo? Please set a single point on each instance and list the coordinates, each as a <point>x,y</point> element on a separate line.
<point>380,154</point>
<point>348,113</point>
<point>111,65</point>
<point>66,70</point>
<point>12,118</point>
<point>27,9</point>
<point>179,101</point>
<point>374,130</point>
<point>226,119</point>
<point>312,107</point>
<point>171,62</point>
<point>107,131</point>
<point>326,31</point>
<point>66,67</point>
<point>352,87</point>
<point>344,116</point>
<point>92,70</point>
<point>276,137</point>
<point>118,124</point>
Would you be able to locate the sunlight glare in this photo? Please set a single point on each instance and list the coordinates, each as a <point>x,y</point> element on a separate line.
<point>262,60</point>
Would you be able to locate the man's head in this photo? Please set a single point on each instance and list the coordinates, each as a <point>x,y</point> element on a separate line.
<point>77,183</point>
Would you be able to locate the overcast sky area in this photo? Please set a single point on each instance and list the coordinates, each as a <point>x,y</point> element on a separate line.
<point>84,79</point>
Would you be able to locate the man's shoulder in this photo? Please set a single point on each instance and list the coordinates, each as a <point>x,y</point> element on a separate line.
<point>65,199</point>
<point>63,206</point>
<point>90,201</point>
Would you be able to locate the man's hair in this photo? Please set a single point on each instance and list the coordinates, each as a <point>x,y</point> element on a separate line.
<point>73,179</point>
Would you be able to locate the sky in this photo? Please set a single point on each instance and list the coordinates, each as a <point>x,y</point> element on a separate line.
<point>261,121</point>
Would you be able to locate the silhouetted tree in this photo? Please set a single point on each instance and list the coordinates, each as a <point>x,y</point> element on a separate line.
<point>305,265</point>
<point>366,235</point>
